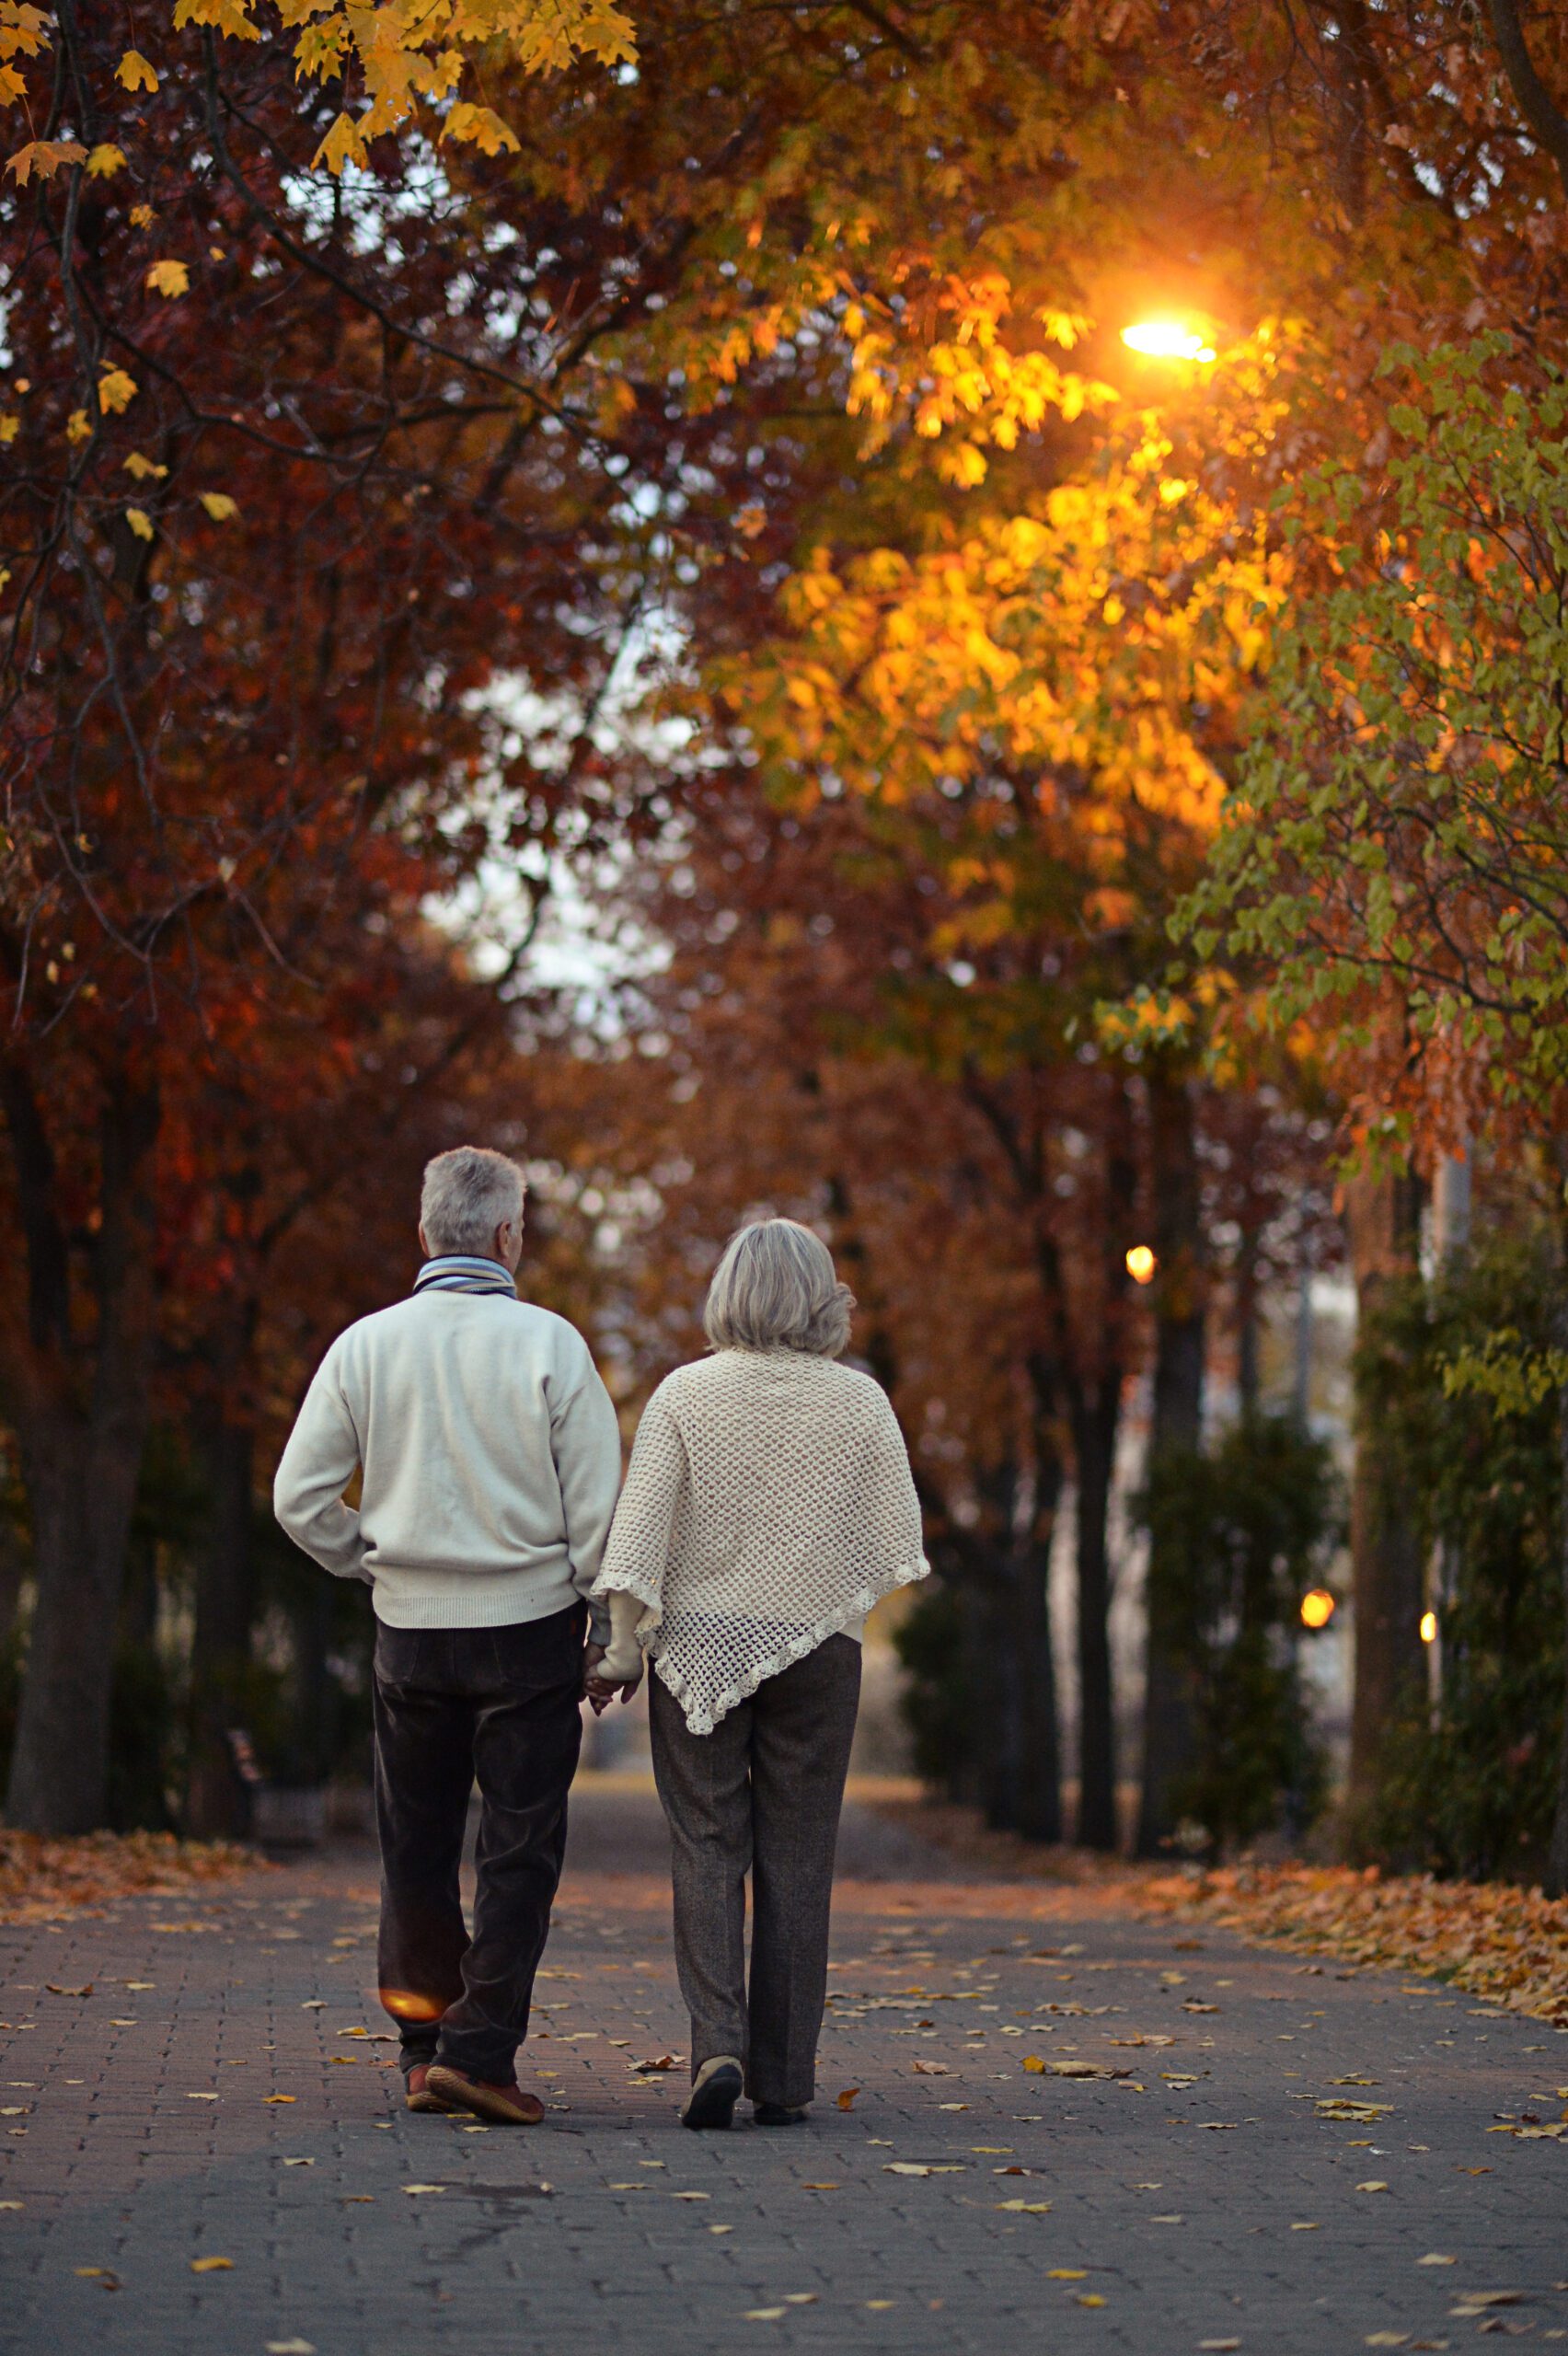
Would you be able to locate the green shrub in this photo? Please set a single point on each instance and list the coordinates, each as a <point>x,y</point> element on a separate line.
<point>1240,1531</point>
<point>1470,1789</point>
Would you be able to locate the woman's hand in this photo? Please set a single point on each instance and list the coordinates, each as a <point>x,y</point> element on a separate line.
<point>619,1671</point>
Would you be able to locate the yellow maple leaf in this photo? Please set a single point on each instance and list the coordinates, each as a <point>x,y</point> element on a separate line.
<point>480,127</point>
<point>116,390</point>
<point>212,2266</point>
<point>169,278</point>
<point>45,156</point>
<point>343,145</point>
<point>219,505</point>
<point>144,468</point>
<point>105,159</point>
<point>141,523</point>
<point>141,215</point>
<point>78,425</point>
<point>10,425</point>
<point>12,86</point>
<point>135,72</point>
<point>230,16</point>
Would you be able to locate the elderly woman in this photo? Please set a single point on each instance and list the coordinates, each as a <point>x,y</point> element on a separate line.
<point>768,1505</point>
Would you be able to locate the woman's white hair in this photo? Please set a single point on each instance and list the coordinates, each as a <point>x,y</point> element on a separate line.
<point>776,1288</point>
<point>468,1193</point>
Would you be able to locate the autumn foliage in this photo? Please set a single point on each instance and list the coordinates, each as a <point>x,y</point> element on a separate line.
<point>693,466</point>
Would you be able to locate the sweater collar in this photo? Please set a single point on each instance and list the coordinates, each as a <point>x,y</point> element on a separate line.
<point>465,1271</point>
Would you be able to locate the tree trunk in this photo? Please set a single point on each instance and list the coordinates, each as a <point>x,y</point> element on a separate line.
<point>1381,1215</point>
<point>1557,1853</point>
<point>81,1412</point>
<point>216,1804</point>
<point>1095,1424</point>
<point>1181,1308</point>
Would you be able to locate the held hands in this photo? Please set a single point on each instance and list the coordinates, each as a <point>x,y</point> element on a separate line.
<point>618,1671</point>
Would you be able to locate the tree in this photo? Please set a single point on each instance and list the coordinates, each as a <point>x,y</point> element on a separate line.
<point>252,500</point>
<point>1395,859</point>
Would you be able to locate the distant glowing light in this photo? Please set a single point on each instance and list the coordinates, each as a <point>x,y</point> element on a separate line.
<point>1317,1608</point>
<point>1166,340</point>
<point>1141,1263</point>
<point>1429,1627</point>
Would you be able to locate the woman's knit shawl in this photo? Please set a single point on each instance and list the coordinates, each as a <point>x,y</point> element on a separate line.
<point>769,1504</point>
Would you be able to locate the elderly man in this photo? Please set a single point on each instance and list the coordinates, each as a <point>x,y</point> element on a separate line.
<point>490,1457</point>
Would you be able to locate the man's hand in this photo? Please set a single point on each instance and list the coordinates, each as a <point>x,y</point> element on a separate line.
<point>611,1671</point>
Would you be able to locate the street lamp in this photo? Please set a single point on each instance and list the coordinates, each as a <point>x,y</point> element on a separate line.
<point>1166,339</point>
<point>1317,1608</point>
<point>1141,1263</point>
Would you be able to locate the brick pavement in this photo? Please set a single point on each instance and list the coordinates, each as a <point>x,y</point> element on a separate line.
<point>213,2097</point>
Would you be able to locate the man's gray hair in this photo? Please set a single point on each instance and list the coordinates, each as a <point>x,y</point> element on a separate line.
<point>776,1288</point>
<point>468,1193</point>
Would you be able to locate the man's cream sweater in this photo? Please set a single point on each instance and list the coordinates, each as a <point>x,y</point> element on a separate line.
<point>489,1454</point>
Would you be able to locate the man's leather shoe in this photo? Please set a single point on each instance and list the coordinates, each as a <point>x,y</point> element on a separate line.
<point>505,2105</point>
<point>420,2096</point>
<point>778,2114</point>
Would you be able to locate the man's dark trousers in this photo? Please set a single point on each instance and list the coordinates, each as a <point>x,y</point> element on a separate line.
<point>453,1706</point>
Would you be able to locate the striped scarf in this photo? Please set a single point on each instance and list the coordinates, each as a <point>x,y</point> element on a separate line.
<point>464,1272</point>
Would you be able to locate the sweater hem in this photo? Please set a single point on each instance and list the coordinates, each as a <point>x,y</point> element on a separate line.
<point>702,1717</point>
<point>511,1607</point>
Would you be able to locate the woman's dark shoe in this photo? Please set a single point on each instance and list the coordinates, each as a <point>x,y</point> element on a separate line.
<point>777,2114</point>
<point>715,2092</point>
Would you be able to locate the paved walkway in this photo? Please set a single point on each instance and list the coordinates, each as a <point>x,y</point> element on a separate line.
<point>205,2153</point>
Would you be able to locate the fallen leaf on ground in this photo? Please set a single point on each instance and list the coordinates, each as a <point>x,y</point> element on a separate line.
<point>1066,2274</point>
<point>1507,1944</point>
<point>691,2196</point>
<point>1374,2184</point>
<point>274,2098</point>
<point>801,2298</point>
<point>200,2097</point>
<point>424,2188</point>
<point>212,2266</point>
<point>1089,2299</point>
<point>1026,2208</point>
<point>660,2061</point>
<point>763,2314</point>
<point>904,2167</point>
<point>290,2348</point>
<point>1213,2346</point>
<point>53,1991</point>
<point>299,2164</point>
<point>1305,2225</point>
<point>931,2070</point>
<point>1033,2061</point>
<point>846,2099</point>
<point>1437,2258</point>
<point>1386,2340</point>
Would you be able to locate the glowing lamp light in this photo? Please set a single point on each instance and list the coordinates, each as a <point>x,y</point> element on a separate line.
<point>1429,1627</point>
<point>1141,1263</point>
<point>1166,340</point>
<point>1317,1608</point>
